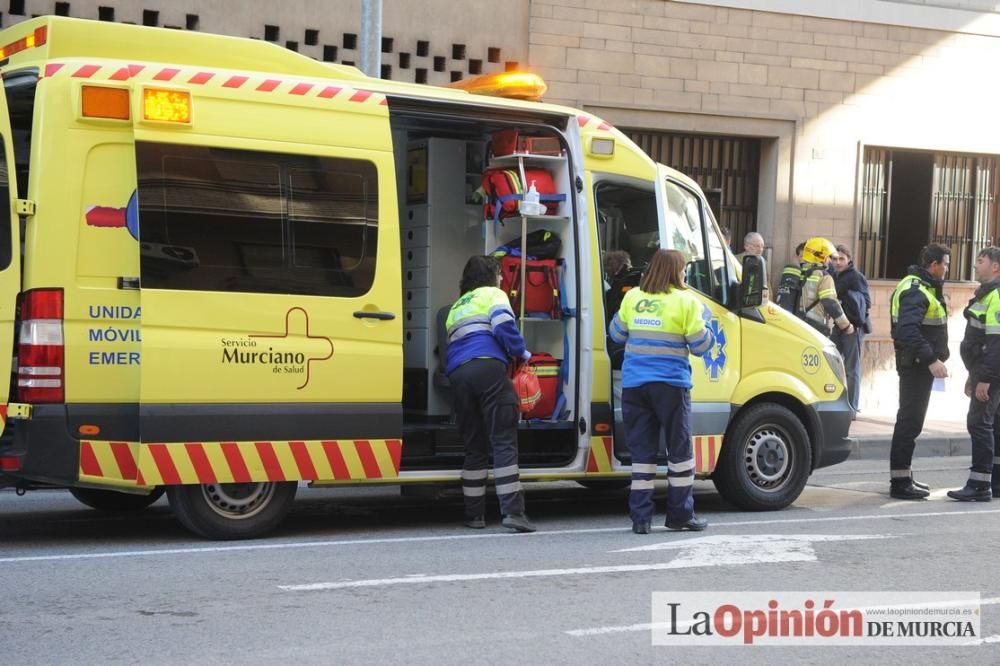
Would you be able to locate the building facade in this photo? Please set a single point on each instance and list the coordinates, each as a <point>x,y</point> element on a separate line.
<point>867,122</point>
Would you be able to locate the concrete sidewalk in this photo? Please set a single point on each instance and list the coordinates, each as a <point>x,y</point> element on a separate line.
<point>872,435</point>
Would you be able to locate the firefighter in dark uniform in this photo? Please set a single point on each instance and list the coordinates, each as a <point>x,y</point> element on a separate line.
<point>920,336</point>
<point>790,283</point>
<point>981,355</point>
<point>482,338</point>
<point>661,322</point>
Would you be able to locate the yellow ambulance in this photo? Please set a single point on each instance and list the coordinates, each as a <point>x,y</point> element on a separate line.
<point>224,266</point>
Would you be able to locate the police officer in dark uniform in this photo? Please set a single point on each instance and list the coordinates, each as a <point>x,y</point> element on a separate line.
<point>920,336</point>
<point>981,355</point>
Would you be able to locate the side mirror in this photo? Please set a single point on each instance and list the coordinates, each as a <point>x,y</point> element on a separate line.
<point>752,284</point>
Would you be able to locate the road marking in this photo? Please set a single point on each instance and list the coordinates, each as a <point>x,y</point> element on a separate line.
<point>457,537</point>
<point>649,626</point>
<point>737,549</point>
<point>711,551</point>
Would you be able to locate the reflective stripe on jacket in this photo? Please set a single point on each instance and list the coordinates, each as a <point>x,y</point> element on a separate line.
<point>481,324</point>
<point>660,330</point>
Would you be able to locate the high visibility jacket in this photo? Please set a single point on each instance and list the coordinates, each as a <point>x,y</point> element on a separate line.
<point>818,301</point>
<point>660,330</point>
<point>789,287</point>
<point>980,346</point>
<point>481,324</point>
<point>919,320</point>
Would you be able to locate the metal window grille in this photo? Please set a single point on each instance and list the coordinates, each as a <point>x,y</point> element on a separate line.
<point>726,168</point>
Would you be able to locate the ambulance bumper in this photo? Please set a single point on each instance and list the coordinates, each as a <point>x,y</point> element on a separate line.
<point>833,446</point>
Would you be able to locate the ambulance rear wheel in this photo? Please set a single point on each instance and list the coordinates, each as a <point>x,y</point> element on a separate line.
<point>232,510</point>
<point>112,500</point>
<point>765,459</point>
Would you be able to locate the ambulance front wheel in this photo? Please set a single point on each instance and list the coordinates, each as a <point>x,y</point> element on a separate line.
<point>232,510</point>
<point>112,500</point>
<point>765,459</point>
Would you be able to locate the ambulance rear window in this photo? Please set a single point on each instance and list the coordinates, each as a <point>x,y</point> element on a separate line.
<point>20,89</point>
<point>215,219</point>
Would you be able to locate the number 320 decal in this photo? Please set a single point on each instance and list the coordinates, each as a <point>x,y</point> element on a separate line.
<point>810,360</point>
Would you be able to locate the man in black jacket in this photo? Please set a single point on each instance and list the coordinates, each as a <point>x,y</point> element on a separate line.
<point>852,292</point>
<point>920,336</point>
<point>981,355</point>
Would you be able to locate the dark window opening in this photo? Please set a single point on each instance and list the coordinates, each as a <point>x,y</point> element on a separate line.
<point>62,9</point>
<point>458,51</point>
<point>350,40</point>
<point>475,66</point>
<point>493,54</point>
<point>423,48</point>
<point>16,8</point>
<point>404,60</point>
<point>911,198</point>
<point>292,45</point>
<point>386,72</point>
<point>150,17</point>
<point>248,221</point>
<point>456,75</point>
<point>420,75</point>
<point>312,37</point>
<point>271,33</point>
<point>191,21</point>
<point>329,53</point>
<point>511,66</point>
<point>439,63</point>
<point>387,44</point>
<point>349,63</point>
<point>105,13</point>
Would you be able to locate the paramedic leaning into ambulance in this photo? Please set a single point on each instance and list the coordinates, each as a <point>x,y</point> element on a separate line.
<point>482,338</point>
<point>660,322</point>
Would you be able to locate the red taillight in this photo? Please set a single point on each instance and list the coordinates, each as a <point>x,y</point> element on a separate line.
<point>40,367</point>
<point>9,464</point>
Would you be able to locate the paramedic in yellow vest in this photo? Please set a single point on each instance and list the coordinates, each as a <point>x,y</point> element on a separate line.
<point>818,303</point>
<point>920,336</point>
<point>981,355</point>
<point>661,323</point>
<point>482,339</point>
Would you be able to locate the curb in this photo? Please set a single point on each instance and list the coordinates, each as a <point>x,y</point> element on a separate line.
<point>928,446</point>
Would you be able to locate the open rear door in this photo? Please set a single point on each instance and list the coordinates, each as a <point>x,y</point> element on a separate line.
<point>10,256</point>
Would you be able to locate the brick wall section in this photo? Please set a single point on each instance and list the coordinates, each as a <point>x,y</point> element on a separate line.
<point>842,82</point>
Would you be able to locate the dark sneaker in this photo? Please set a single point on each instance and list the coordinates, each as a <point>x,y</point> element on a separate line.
<point>907,492</point>
<point>694,523</point>
<point>971,494</point>
<point>476,523</point>
<point>640,526</point>
<point>519,522</point>
<point>920,486</point>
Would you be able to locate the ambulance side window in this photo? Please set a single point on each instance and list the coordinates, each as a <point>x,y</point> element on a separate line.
<point>5,221</point>
<point>686,234</point>
<point>214,219</point>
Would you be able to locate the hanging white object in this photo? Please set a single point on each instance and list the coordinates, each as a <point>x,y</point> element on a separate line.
<point>530,205</point>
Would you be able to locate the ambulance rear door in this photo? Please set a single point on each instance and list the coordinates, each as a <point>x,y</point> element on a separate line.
<point>10,256</point>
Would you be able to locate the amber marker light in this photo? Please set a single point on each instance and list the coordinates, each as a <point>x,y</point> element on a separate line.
<point>172,106</point>
<point>105,102</point>
<point>89,430</point>
<point>513,85</point>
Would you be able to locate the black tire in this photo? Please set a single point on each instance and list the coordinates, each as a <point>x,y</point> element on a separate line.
<point>604,484</point>
<point>232,510</point>
<point>112,500</point>
<point>765,460</point>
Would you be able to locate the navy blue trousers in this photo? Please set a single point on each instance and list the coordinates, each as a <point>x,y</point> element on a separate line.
<point>646,409</point>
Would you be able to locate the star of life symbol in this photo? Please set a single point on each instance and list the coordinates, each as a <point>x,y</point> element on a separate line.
<point>715,358</point>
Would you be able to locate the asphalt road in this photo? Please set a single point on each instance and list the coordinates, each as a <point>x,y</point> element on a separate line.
<point>364,575</point>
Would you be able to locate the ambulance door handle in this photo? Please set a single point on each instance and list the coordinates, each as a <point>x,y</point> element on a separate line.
<point>365,314</point>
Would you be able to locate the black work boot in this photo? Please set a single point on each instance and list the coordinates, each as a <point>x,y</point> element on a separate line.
<point>694,523</point>
<point>920,486</point>
<point>905,490</point>
<point>974,491</point>
<point>518,522</point>
<point>475,522</point>
<point>641,526</point>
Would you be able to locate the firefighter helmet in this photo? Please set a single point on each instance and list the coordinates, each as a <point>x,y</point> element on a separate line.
<point>817,251</point>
